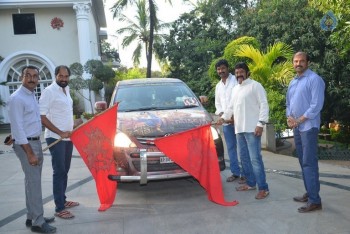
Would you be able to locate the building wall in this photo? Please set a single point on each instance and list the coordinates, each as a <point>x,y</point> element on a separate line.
<point>60,46</point>
<point>49,46</point>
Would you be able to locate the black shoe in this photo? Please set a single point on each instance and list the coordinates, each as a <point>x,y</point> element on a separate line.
<point>310,207</point>
<point>45,228</point>
<point>303,198</point>
<point>47,220</point>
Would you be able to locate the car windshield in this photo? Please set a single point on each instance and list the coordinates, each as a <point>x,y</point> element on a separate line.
<point>155,97</point>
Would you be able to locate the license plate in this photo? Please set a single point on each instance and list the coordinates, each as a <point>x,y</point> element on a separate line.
<point>165,160</point>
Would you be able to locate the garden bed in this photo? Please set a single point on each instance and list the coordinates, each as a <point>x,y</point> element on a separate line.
<point>334,154</point>
<point>331,150</point>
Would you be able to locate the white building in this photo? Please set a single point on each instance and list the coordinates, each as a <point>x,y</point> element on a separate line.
<point>47,33</point>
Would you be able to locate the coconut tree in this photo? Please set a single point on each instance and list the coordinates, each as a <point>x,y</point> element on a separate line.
<point>153,24</point>
<point>138,31</point>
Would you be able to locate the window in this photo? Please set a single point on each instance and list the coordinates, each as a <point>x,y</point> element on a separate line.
<point>24,24</point>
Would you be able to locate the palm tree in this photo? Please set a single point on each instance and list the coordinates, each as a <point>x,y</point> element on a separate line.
<point>274,65</point>
<point>153,25</point>
<point>139,31</point>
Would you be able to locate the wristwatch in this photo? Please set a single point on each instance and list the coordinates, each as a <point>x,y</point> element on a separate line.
<point>262,122</point>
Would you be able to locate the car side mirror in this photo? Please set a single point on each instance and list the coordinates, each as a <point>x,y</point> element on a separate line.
<point>100,106</point>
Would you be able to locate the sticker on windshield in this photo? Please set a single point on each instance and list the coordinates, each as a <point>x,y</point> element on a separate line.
<point>190,101</point>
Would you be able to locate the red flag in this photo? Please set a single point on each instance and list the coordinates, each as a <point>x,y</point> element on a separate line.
<point>94,141</point>
<point>198,157</point>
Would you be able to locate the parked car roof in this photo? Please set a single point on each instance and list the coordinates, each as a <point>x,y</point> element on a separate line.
<point>148,80</point>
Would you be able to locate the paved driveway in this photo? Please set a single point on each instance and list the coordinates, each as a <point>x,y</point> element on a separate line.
<point>181,206</point>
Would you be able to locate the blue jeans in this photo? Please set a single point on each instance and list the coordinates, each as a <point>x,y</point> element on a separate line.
<point>306,147</point>
<point>231,145</point>
<point>249,149</point>
<point>61,158</point>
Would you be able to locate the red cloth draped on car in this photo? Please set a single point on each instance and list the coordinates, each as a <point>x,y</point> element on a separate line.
<point>198,157</point>
<point>94,141</point>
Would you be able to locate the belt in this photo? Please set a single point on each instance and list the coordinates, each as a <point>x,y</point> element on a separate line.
<point>33,138</point>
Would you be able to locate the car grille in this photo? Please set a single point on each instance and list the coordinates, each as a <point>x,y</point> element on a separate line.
<point>146,140</point>
<point>157,166</point>
<point>154,165</point>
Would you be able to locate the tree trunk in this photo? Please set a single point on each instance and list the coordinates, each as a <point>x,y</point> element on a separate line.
<point>151,32</point>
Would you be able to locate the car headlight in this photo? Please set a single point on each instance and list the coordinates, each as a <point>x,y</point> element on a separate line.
<point>122,140</point>
<point>214,133</point>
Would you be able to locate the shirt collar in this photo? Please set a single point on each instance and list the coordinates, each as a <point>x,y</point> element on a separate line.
<point>306,73</point>
<point>246,81</point>
<point>27,91</point>
<point>57,87</point>
<point>229,78</point>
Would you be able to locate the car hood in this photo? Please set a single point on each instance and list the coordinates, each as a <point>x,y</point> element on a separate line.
<point>160,123</point>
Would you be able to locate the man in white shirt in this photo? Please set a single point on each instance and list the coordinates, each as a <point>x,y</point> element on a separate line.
<point>223,94</point>
<point>56,110</point>
<point>250,112</point>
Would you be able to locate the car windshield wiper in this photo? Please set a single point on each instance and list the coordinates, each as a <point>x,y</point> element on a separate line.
<point>159,108</point>
<point>188,106</point>
<point>146,108</point>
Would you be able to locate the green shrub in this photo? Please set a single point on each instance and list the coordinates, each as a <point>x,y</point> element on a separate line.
<point>277,105</point>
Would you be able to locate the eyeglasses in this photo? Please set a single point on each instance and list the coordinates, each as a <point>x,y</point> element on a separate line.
<point>30,76</point>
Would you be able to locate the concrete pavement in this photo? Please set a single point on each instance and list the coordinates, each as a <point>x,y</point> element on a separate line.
<point>181,206</point>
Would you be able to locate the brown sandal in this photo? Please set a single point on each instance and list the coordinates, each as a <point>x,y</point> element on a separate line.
<point>64,214</point>
<point>245,188</point>
<point>70,204</point>
<point>242,180</point>
<point>232,178</point>
<point>262,194</point>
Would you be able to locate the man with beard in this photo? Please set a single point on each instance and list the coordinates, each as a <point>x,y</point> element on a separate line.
<point>56,110</point>
<point>250,112</point>
<point>305,97</point>
<point>223,94</point>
